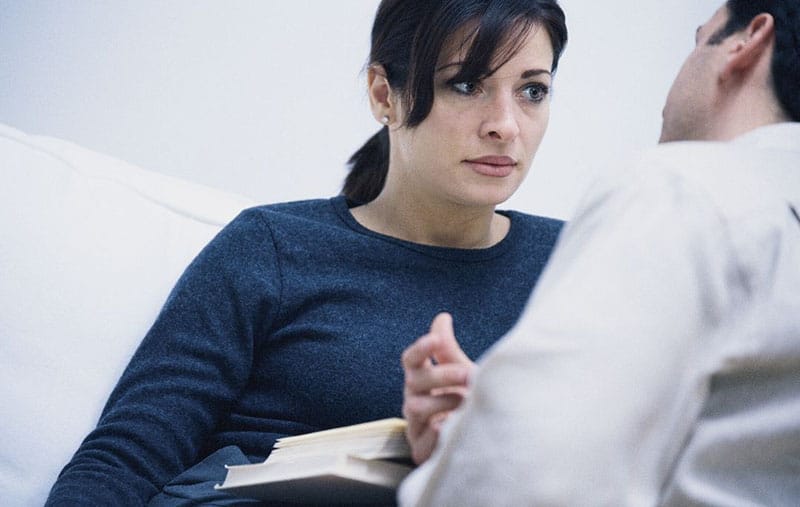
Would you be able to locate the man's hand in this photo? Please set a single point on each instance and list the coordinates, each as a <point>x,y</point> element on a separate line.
<point>436,382</point>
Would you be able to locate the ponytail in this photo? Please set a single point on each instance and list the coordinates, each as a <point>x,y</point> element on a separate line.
<point>368,168</point>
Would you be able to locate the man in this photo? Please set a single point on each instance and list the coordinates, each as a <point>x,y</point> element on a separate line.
<point>658,361</point>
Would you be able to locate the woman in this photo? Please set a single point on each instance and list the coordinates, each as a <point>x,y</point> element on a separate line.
<point>294,318</point>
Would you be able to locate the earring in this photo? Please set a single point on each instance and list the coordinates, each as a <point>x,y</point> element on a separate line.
<point>385,120</point>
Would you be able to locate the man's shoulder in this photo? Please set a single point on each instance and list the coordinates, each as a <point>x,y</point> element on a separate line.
<point>696,161</point>
<point>738,178</point>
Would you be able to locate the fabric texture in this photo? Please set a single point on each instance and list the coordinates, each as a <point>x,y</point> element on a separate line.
<point>195,486</point>
<point>658,362</point>
<point>291,320</point>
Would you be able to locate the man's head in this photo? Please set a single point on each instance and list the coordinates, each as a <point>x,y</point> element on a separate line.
<point>743,73</point>
<point>785,65</point>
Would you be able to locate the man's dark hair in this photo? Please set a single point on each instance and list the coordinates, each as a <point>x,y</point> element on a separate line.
<point>786,57</point>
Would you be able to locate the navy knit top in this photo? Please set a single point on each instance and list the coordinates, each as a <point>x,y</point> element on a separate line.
<point>291,320</point>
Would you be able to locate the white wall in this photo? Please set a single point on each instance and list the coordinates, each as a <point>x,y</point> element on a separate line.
<point>266,98</point>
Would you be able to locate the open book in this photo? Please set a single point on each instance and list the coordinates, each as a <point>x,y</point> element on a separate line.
<point>363,463</point>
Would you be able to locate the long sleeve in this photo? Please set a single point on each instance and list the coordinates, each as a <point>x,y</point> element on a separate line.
<point>184,376</point>
<point>638,280</point>
<point>289,322</point>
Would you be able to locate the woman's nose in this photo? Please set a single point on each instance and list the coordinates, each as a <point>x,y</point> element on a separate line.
<point>500,120</point>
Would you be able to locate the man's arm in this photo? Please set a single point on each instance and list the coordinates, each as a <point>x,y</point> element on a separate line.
<point>590,398</point>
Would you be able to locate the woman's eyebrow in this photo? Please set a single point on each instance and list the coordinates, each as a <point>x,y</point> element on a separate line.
<point>525,75</point>
<point>534,72</point>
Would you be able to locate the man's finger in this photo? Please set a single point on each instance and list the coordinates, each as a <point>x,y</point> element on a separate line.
<point>419,352</point>
<point>424,445</point>
<point>424,380</point>
<point>447,348</point>
<point>419,410</point>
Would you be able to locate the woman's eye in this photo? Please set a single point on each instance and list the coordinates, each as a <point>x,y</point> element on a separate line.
<point>465,87</point>
<point>535,92</point>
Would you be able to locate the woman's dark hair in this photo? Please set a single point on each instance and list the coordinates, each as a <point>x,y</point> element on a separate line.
<point>407,39</point>
<point>786,56</point>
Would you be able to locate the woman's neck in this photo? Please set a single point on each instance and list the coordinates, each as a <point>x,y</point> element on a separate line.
<point>423,221</point>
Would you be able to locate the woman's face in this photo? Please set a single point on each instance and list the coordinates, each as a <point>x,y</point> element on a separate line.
<point>478,142</point>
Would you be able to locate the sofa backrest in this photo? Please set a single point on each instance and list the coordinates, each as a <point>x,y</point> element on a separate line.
<point>90,247</point>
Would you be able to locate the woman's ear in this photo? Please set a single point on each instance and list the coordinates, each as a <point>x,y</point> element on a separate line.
<point>381,98</point>
<point>750,46</point>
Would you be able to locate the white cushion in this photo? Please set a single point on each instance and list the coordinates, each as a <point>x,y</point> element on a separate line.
<point>89,248</point>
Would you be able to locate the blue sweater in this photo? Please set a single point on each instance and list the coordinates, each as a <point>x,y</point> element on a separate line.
<point>291,320</point>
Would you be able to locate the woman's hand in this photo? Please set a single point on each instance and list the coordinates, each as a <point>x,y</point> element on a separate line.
<point>436,382</point>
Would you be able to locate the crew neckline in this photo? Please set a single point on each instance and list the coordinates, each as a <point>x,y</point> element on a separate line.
<point>342,207</point>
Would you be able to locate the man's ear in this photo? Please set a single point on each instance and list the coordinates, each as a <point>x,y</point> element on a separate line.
<point>381,98</point>
<point>749,46</point>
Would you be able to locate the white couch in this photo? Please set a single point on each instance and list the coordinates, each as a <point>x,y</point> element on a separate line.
<point>89,248</point>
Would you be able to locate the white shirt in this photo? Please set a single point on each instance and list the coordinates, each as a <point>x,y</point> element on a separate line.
<point>658,361</point>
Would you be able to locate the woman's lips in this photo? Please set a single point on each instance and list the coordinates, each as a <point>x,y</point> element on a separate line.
<point>493,165</point>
